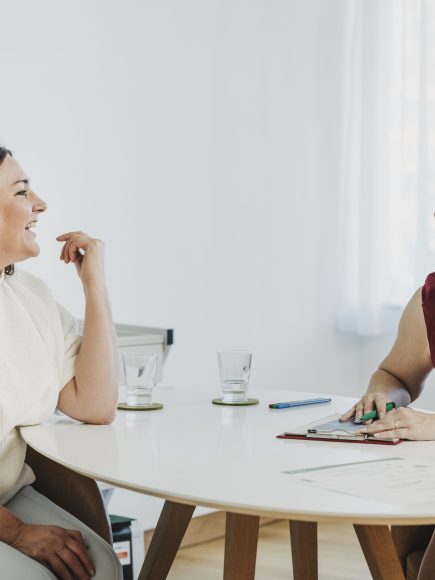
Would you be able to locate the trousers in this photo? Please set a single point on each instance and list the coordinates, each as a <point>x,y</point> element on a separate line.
<point>33,508</point>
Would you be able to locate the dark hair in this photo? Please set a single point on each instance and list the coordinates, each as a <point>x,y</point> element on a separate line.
<point>3,153</point>
<point>9,270</point>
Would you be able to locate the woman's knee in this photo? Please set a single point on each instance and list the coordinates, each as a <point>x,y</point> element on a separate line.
<point>107,564</point>
<point>16,566</point>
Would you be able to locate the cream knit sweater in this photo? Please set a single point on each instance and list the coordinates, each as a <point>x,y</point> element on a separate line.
<point>38,348</point>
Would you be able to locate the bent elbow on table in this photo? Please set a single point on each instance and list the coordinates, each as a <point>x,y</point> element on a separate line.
<point>94,406</point>
<point>102,419</point>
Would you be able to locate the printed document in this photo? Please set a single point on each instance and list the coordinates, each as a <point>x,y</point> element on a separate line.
<point>394,480</point>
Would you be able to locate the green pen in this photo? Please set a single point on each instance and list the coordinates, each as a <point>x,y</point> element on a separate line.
<point>374,414</point>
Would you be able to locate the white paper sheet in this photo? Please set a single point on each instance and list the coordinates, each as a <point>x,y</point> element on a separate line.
<point>395,480</point>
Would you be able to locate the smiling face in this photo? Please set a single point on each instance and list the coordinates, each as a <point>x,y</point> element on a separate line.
<point>19,208</point>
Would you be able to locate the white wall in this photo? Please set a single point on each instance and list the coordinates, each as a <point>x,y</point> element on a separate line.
<point>200,140</point>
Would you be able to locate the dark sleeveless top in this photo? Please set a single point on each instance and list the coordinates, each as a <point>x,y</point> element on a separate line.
<point>428,304</point>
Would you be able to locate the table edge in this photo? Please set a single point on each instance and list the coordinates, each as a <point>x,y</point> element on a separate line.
<point>368,519</point>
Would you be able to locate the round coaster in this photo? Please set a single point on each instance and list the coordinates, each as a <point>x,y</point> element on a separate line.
<point>153,407</point>
<point>239,404</point>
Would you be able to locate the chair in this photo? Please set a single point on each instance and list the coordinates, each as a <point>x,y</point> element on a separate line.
<point>411,543</point>
<point>77,494</point>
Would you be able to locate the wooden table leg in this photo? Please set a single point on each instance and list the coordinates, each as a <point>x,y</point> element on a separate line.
<point>166,540</point>
<point>241,538</point>
<point>303,539</point>
<point>379,551</point>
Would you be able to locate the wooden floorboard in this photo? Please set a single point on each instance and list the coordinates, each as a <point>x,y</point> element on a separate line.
<point>340,556</point>
<point>205,528</point>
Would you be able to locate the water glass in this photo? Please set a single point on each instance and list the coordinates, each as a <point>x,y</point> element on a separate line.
<point>140,373</point>
<point>234,370</point>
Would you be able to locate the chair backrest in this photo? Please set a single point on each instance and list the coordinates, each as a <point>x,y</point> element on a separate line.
<point>77,494</point>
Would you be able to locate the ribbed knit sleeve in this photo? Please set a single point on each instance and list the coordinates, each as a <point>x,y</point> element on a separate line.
<point>71,345</point>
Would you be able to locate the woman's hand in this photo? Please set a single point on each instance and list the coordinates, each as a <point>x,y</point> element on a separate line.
<point>404,423</point>
<point>87,254</point>
<point>62,551</point>
<point>368,402</point>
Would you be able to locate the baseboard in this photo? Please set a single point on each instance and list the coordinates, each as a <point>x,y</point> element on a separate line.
<point>205,528</point>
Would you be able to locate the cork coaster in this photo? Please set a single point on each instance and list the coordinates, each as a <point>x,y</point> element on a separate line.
<point>152,407</point>
<point>238,404</point>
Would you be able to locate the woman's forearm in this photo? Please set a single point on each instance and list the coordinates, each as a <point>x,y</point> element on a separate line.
<point>9,526</point>
<point>385,383</point>
<point>97,366</point>
<point>92,394</point>
<point>383,387</point>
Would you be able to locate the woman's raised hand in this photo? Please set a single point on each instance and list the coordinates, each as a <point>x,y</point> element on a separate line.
<point>86,253</point>
<point>63,551</point>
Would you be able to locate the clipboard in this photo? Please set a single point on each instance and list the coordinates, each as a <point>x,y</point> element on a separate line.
<point>331,429</point>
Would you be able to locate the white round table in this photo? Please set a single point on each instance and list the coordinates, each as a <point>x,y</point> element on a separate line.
<point>195,453</point>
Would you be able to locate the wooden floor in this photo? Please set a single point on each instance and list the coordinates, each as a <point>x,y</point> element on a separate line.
<point>340,557</point>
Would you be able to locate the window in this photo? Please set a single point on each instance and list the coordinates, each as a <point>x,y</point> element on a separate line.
<point>386,224</point>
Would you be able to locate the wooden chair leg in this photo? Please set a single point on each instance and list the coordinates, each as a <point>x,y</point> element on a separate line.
<point>303,539</point>
<point>241,539</point>
<point>379,551</point>
<point>166,540</point>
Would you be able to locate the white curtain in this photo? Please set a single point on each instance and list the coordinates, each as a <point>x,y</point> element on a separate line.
<point>386,228</point>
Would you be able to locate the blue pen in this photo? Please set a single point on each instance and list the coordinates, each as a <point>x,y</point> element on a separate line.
<point>298,403</point>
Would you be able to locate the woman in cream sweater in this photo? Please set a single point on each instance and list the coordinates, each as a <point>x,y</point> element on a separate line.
<point>44,365</point>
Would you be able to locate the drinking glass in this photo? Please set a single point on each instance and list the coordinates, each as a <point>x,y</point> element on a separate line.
<point>140,372</point>
<point>234,370</point>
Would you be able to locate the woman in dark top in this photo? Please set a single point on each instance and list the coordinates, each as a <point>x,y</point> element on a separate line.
<point>400,378</point>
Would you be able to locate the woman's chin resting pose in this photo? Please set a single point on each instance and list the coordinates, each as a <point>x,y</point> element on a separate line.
<point>44,365</point>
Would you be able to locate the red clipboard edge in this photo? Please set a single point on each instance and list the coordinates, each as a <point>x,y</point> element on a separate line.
<point>363,441</point>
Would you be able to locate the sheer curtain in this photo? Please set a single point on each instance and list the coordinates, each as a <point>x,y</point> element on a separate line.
<point>386,229</point>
